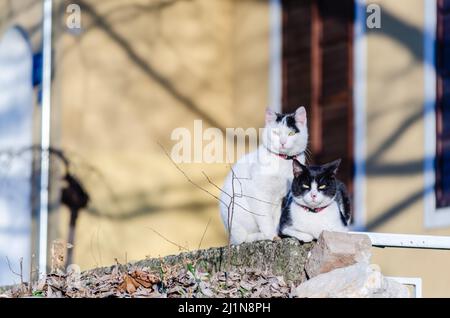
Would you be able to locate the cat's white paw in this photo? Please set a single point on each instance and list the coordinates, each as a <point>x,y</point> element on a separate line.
<point>305,238</point>
<point>302,237</point>
<point>269,235</point>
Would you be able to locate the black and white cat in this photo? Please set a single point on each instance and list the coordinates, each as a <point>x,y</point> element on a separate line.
<point>317,201</point>
<point>262,179</point>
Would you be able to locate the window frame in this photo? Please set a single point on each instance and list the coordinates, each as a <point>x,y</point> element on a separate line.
<point>433,217</point>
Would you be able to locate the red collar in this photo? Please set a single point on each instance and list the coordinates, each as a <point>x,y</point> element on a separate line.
<point>286,157</point>
<point>313,210</point>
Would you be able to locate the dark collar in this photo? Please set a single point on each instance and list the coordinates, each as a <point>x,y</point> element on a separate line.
<point>284,156</point>
<point>312,210</point>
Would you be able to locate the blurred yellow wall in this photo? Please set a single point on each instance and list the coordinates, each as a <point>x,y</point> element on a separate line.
<point>395,143</point>
<point>138,70</point>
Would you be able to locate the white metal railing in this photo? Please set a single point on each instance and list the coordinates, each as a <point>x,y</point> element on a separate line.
<point>416,282</point>
<point>408,240</point>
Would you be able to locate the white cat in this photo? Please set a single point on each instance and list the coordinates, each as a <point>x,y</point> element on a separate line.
<point>262,178</point>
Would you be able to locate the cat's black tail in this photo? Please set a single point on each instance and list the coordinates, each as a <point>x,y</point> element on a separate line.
<point>345,206</point>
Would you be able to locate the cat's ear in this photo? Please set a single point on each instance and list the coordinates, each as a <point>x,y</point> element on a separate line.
<point>333,167</point>
<point>300,116</point>
<point>271,116</point>
<point>298,168</point>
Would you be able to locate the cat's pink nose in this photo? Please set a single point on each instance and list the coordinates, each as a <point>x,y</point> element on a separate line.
<point>313,196</point>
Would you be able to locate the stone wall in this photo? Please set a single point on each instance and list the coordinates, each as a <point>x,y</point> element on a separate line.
<point>286,258</point>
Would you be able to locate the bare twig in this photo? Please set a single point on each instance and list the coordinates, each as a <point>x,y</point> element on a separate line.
<point>231,217</point>
<point>20,274</point>
<point>204,233</point>
<point>187,177</point>
<point>230,206</point>
<point>99,250</point>
<point>24,287</point>
<point>21,270</point>
<point>241,195</point>
<point>12,270</point>
<point>30,286</point>
<point>171,242</point>
<point>200,187</point>
<point>74,202</point>
<point>91,249</point>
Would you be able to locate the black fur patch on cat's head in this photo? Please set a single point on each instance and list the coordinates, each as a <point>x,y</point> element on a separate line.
<point>288,120</point>
<point>291,120</point>
<point>323,175</point>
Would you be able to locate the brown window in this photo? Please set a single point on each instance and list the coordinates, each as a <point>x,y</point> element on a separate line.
<point>317,73</point>
<point>443,105</point>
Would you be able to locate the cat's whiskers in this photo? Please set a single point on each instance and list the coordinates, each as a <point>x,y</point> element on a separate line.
<point>308,154</point>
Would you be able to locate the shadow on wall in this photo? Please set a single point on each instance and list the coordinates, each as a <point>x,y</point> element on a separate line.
<point>411,38</point>
<point>107,23</point>
<point>102,22</point>
<point>394,28</point>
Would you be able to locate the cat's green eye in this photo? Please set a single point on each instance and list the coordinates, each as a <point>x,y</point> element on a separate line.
<point>305,186</point>
<point>322,187</point>
<point>292,133</point>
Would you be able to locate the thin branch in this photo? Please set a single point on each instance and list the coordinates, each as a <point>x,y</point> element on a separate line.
<point>198,186</point>
<point>230,218</point>
<point>187,177</point>
<point>213,184</point>
<point>21,270</point>
<point>30,286</point>
<point>241,195</point>
<point>204,233</point>
<point>91,250</point>
<point>171,242</point>
<point>11,269</point>
<point>233,177</point>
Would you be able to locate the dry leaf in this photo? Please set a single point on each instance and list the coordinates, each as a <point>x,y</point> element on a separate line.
<point>128,285</point>
<point>177,281</point>
<point>146,280</point>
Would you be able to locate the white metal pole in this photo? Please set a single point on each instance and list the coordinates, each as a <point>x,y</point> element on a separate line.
<point>275,55</point>
<point>45,135</point>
